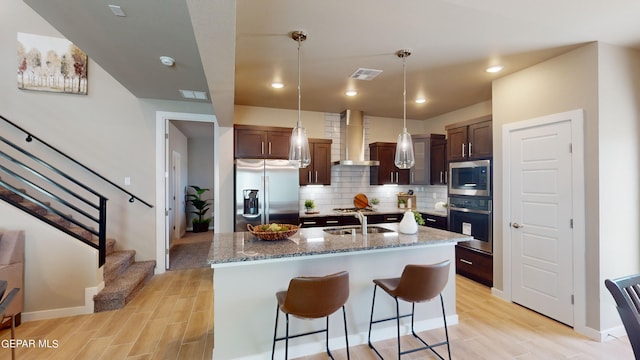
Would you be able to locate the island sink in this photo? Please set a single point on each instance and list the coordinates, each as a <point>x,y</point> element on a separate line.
<point>356,230</point>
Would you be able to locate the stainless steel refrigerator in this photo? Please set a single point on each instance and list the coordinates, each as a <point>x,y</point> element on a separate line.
<point>266,191</point>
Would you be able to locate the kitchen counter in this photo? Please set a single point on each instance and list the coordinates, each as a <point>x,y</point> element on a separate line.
<point>248,272</point>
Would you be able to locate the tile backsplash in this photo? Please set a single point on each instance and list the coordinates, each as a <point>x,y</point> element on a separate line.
<point>347,181</point>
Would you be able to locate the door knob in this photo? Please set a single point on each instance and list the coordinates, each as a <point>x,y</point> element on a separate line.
<point>516,225</point>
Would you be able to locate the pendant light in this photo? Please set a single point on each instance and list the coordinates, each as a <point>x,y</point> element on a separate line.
<point>299,155</point>
<point>405,158</point>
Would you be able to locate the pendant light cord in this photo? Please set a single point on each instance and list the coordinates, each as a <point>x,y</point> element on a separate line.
<point>299,91</point>
<point>404,92</point>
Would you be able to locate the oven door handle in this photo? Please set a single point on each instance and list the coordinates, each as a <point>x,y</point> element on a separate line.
<point>484,212</point>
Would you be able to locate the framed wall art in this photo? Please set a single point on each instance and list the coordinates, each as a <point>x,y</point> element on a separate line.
<point>51,64</point>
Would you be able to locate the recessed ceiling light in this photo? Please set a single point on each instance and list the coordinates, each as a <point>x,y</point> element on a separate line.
<point>117,10</point>
<point>167,61</point>
<point>277,85</point>
<point>351,93</point>
<point>494,69</point>
<point>192,94</point>
<point>421,100</point>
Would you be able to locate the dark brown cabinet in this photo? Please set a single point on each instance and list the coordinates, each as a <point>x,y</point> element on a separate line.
<point>419,173</point>
<point>434,221</point>
<point>438,165</point>
<point>261,142</point>
<point>387,172</point>
<point>344,220</point>
<point>470,140</point>
<point>475,265</point>
<point>319,171</point>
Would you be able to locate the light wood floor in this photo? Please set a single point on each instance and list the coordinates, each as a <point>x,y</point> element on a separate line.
<point>172,318</point>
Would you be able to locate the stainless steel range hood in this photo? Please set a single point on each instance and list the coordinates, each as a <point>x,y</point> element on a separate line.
<point>352,146</point>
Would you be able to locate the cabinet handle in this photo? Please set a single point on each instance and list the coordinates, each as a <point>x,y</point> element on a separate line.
<point>463,145</point>
<point>446,175</point>
<point>396,177</point>
<point>441,176</point>
<point>392,218</point>
<point>262,148</point>
<point>309,222</point>
<point>309,176</point>
<point>391,173</point>
<point>269,147</point>
<point>466,261</point>
<point>431,220</point>
<point>316,176</point>
<point>469,149</point>
<point>332,221</point>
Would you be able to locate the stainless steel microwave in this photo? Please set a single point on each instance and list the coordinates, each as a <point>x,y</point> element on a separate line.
<point>471,178</point>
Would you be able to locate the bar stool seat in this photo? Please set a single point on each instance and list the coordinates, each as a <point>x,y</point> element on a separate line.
<point>418,283</point>
<point>312,298</point>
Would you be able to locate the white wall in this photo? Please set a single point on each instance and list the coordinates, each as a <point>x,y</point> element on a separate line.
<point>201,170</point>
<point>619,170</point>
<point>602,80</point>
<point>178,143</point>
<point>109,129</point>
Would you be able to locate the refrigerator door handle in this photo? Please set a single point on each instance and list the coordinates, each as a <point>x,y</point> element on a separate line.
<point>266,199</point>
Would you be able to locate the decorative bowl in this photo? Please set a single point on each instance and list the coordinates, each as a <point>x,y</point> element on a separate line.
<point>286,231</point>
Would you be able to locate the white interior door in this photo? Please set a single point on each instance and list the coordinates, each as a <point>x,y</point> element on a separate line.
<point>541,219</point>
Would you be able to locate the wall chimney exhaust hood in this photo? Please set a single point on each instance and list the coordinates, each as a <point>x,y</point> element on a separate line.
<point>352,146</point>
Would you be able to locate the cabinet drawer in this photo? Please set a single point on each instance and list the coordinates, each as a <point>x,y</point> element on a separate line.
<point>314,221</point>
<point>438,222</point>
<point>475,265</point>
<point>390,218</point>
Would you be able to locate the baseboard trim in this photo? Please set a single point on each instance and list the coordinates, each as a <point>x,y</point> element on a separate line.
<point>87,308</point>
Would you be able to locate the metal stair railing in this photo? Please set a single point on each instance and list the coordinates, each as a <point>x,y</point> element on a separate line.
<point>30,137</point>
<point>39,175</point>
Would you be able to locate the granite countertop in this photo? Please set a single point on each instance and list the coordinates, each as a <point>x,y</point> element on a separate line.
<point>244,247</point>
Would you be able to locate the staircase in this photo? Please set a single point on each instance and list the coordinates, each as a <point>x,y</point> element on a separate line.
<point>123,276</point>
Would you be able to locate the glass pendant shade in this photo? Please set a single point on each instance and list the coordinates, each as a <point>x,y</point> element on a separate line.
<point>405,158</point>
<point>299,155</point>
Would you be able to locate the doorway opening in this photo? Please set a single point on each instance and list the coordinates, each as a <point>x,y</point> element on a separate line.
<point>186,154</point>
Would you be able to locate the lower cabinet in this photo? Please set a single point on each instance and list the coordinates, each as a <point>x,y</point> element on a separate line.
<point>475,265</point>
<point>434,221</point>
<point>340,220</point>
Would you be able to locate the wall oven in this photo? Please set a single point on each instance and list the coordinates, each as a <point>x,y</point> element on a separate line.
<point>471,178</point>
<point>472,216</point>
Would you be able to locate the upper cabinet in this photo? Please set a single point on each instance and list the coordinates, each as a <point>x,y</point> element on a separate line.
<point>319,171</point>
<point>470,140</point>
<point>261,142</point>
<point>438,157</point>
<point>422,173</point>
<point>387,172</point>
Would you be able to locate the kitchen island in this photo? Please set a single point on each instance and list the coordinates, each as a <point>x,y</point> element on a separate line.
<point>248,272</point>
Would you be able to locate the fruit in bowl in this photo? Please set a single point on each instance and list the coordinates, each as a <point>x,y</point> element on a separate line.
<point>272,231</point>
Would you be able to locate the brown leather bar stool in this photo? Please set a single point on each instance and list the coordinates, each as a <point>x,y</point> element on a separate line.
<point>312,298</point>
<point>418,283</point>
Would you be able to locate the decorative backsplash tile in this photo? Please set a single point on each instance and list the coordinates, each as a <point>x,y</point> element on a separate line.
<point>347,181</point>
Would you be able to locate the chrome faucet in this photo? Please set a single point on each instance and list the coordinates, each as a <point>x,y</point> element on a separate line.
<point>363,220</point>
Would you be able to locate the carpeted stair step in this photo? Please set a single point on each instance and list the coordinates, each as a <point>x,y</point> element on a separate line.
<point>116,264</point>
<point>10,195</point>
<point>119,292</point>
<point>111,246</point>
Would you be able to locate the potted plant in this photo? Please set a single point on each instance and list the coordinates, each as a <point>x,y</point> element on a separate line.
<point>418,217</point>
<point>309,205</point>
<point>402,203</point>
<point>375,202</point>
<point>200,223</point>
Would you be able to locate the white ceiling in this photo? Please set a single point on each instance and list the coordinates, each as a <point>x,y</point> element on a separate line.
<point>235,52</point>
